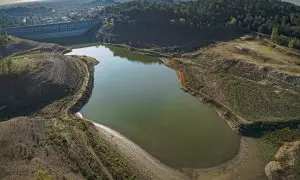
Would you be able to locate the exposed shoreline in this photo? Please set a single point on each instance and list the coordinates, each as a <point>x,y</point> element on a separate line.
<point>246,164</point>
<point>152,168</point>
<point>139,158</point>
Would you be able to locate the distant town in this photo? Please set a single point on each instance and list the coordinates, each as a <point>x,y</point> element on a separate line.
<point>34,13</point>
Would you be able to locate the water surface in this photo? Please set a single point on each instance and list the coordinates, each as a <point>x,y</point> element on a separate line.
<point>141,98</point>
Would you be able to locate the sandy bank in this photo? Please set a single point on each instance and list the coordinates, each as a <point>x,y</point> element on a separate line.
<point>246,165</point>
<point>144,162</point>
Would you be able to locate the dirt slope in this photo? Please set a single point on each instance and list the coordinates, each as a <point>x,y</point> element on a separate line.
<point>17,46</point>
<point>49,142</point>
<point>248,82</point>
<point>34,81</point>
<point>254,86</point>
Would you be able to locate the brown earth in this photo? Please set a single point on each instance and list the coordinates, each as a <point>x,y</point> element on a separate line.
<point>245,88</point>
<point>254,86</point>
<point>51,143</point>
<point>28,90</point>
<point>17,46</point>
<point>244,81</point>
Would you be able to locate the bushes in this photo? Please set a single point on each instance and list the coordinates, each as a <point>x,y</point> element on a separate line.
<point>41,174</point>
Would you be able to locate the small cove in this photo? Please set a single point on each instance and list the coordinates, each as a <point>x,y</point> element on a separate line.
<point>141,98</point>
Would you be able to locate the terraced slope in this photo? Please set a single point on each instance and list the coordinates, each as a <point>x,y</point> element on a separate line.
<point>34,81</point>
<point>21,46</point>
<point>48,141</point>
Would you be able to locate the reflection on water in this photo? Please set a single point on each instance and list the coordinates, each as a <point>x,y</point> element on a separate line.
<point>132,56</point>
<point>181,79</point>
<point>144,102</point>
<point>180,75</point>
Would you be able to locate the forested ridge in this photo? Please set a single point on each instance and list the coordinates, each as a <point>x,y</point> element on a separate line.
<point>253,15</point>
<point>21,16</point>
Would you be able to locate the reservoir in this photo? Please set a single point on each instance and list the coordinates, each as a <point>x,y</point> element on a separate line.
<point>141,98</point>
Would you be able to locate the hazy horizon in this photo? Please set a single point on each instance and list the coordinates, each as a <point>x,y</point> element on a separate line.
<point>2,2</point>
<point>294,1</point>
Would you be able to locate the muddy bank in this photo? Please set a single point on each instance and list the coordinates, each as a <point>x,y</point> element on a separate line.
<point>249,93</point>
<point>246,165</point>
<point>146,164</point>
<point>236,122</point>
<point>90,85</point>
<point>230,117</point>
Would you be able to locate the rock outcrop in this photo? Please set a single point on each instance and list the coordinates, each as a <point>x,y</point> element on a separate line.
<point>287,163</point>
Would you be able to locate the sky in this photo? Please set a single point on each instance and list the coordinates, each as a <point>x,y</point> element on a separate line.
<point>14,1</point>
<point>297,2</point>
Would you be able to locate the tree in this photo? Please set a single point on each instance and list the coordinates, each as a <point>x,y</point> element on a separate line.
<point>291,44</point>
<point>233,21</point>
<point>182,20</point>
<point>274,35</point>
<point>3,43</point>
<point>193,16</point>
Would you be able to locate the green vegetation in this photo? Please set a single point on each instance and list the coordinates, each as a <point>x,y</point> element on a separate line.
<point>3,43</point>
<point>210,13</point>
<point>41,174</point>
<point>190,19</point>
<point>272,140</point>
<point>274,35</point>
<point>6,21</point>
<point>22,15</point>
<point>61,145</point>
<point>132,56</point>
<point>292,43</point>
<point>255,79</point>
<point>254,83</point>
<point>18,64</point>
<point>256,102</point>
<point>93,156</point>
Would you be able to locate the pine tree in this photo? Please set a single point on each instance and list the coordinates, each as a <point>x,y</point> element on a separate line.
<point>3,43</point>
<point>274,35</point>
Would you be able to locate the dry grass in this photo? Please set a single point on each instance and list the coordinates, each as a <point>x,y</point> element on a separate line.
<point>19,64</point>
<point>53,143</point>
<point>251,78</point>
<point>259,52</point>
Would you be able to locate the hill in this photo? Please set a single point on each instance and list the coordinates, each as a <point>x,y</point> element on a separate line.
<point>48,141</point>
<point>142,23</point>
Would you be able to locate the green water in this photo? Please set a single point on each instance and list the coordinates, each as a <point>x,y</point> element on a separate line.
<point>141,98</point>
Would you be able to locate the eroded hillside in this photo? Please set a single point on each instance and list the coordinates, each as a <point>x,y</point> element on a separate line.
<point>255,80</point>
<point>49,141</point>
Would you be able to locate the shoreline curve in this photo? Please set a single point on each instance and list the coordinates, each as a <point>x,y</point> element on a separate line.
<point>152,168</point>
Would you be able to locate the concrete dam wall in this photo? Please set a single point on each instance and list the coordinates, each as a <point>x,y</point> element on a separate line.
<point>49,31</point>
